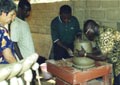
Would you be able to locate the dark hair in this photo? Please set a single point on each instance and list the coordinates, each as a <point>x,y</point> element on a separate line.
<point>7,6</point>
<point>23,4</point>
<point>90,24</point>
<point>65,9</point>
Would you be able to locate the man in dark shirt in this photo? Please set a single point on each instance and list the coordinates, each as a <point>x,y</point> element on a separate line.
<point>64,29</point>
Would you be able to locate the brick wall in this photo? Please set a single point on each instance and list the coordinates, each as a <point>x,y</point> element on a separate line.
<point>105,12</point>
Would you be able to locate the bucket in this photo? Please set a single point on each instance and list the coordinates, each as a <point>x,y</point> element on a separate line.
<point>45,73</point>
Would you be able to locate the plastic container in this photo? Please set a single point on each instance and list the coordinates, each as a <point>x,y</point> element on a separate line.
<point>45,73</point>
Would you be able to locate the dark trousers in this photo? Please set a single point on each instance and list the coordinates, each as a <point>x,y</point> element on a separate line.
<point>117,80</point>
<point>60,52</point>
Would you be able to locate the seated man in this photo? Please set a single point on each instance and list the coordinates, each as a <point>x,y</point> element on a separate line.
<point>108,45</point>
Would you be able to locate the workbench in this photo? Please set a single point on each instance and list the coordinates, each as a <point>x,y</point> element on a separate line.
<point>67,74</point>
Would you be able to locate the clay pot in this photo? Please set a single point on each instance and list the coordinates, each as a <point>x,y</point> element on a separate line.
<point>85,44</point>
<point>82,62</point>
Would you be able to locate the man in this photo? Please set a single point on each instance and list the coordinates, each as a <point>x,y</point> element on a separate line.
<point>108,43</point>
<point>20,31</point>
<point>7,11</point>
<point>64,29</point>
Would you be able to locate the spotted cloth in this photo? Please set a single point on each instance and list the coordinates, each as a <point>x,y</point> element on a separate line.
<point>109,43</point>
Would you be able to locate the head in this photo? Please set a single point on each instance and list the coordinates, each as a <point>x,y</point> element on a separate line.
<point>7,11</point>
<point>91,29</point>
<point>65,13</point>
<point>24,8</point>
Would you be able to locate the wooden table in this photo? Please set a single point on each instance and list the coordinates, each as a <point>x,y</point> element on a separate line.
<point>66,74</point>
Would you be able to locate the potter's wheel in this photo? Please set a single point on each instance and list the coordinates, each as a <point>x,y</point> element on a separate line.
<point>83,67</point>
<point>83,62</point>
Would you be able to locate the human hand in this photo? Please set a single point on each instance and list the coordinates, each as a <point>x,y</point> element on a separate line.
<point>82,52</point>
<point>70,52</point>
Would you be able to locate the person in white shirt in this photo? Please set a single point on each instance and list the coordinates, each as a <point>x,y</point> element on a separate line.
<point>20,31</point>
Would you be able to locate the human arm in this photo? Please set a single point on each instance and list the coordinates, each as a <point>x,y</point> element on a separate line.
<point>6,46</point>
<point>17,50</point>
<point>96,54</point>
<point>8,55</point>
<point>70,52</point>
<point>98,57</point>
<point>61,45</point>
<point>55,33</point>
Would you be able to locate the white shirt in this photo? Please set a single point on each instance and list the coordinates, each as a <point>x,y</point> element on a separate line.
<point>20,33</point>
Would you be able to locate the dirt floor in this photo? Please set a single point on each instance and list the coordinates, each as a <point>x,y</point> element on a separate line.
<point>52,82</point>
